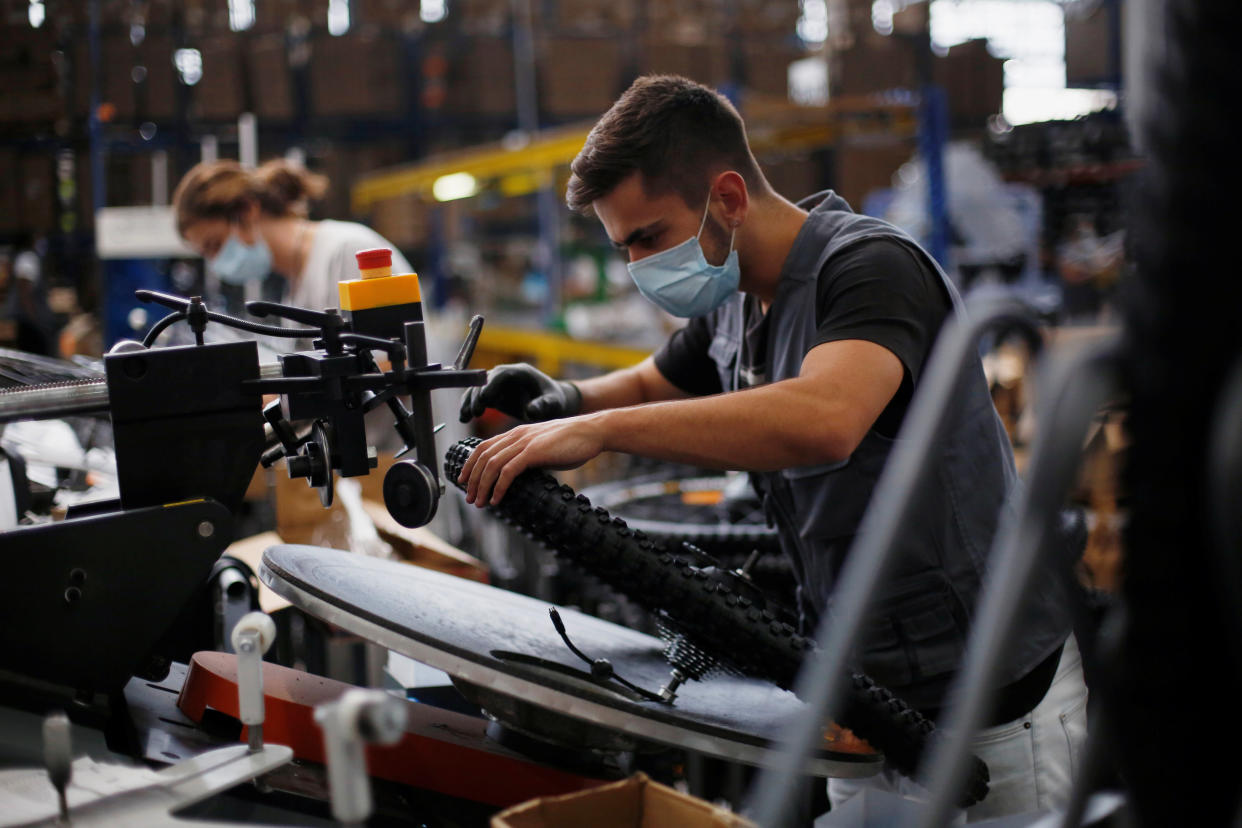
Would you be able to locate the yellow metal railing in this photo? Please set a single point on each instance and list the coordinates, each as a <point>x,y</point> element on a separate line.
<point>549,352</point>
<point>545,152</point>
<point>525,168</point>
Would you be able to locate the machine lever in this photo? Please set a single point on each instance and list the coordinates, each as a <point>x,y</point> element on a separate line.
<point>356,718</point>
<point>467,347</point>
<point>251,638</point>
<point>58,758</point>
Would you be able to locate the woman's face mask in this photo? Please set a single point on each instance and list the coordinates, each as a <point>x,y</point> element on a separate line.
<point>238,262</point>
<point>680,280</point>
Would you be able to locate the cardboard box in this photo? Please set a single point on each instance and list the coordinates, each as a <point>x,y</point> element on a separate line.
<point>579,75</point>
<point>373,85</point>
<point>404,220</point>
<point>394,15</point>
<point>766,17</point>
<point>636,802</point>
<point>424,548</point>
<point>159,101</point>
<point>10,196</point>
<point>36,193</point>
<point>874,64</point>
<point>974,82</point>
<point>219,95</point>
<point>765,62</point>
<point>685,19</point>
<point>706,61</point>
<point>271,81</point>
<point>1090,59</point>
<point>480,78</point>
<point>273,16</point>
<point>796,176</point>
<point>117,57</point>
<point>586,17</point>
<point>861,169</point>
<point>488,18</point>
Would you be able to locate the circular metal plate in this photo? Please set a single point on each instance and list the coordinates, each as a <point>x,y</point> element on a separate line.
<point>487,636</point>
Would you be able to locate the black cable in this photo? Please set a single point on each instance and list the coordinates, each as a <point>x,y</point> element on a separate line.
<point>601,668</point>
<point>231,322</point>
<point>259,328</point>
<point>161,326</point>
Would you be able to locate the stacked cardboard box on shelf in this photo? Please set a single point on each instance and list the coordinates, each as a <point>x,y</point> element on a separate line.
<point>579,76</point>
<point>271,80</point>
<point>766,62</point>
<point>1090,59</point>
<point>873,64</point>
<point>404,220</point>
<point>157,94</point>
<point>220,95</point>
<point>795,176</point>
<point>373,84</point>
<point>483,17</point>
<point>861,168</point>
<point>480,78</point>
<point>343,163</point>
<point>974,82</point>
<point>585,17</point>
<point>704,60</point>
<point>27,192</point>
<point>277,15</point>
<point>28,77</point>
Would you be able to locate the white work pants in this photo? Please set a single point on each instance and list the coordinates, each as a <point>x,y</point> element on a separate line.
<point>1031,760</point>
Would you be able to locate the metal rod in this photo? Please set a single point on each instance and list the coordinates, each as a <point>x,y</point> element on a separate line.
<point>1224,495</point>
<point>821,681</point>
<point>1078,387</point>
<point>61,399</point>
<point>74,397</point>
<point>468,345</point>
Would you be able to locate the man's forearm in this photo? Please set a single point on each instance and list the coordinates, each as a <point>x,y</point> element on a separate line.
<point>773,427</point>
<point>637,384</point>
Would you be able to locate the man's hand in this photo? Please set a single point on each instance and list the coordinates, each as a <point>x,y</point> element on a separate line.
<point>524,393</point>
<point>563,444</point>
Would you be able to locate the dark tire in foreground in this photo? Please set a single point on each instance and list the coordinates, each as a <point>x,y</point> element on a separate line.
<point>719,612</point>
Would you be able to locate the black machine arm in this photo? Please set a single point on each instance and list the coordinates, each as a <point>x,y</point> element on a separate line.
<point>188,426</point>
<point>334,385</point>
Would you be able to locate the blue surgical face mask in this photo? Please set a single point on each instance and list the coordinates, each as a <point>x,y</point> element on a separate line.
<point>680,280</point>
<point>238,262</point>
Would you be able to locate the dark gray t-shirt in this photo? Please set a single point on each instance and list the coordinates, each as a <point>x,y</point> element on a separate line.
<point>877,290</point>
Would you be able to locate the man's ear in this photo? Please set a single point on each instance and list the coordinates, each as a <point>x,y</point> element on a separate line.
<point>729,191</point>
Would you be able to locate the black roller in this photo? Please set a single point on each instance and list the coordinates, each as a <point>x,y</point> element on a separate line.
<point>411,493</point>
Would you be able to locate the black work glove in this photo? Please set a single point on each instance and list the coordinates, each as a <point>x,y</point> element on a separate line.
<point>522,392</point>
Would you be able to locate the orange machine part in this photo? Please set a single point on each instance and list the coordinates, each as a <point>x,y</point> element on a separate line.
<point>441,751</point>
<point>384,292</point>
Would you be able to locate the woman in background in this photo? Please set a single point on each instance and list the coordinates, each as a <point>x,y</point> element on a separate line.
<point>247,223</point>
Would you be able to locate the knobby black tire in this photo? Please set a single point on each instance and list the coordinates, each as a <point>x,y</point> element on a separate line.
<point>720,618</point>
<point>725,541</point>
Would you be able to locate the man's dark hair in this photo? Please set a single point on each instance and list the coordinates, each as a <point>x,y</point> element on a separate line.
<point>674,131</point>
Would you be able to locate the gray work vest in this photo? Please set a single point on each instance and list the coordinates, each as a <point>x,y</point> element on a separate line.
<point>917,632</point>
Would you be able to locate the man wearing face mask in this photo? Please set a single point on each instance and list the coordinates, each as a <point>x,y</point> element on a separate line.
<point>248,223</point>
<point>809,329</point>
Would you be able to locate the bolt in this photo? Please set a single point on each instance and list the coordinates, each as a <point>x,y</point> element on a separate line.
<point>299,466</point>
<point>206,529</point>
<point>73,595</point>
<point>135,368</point>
